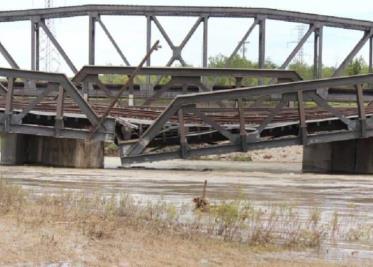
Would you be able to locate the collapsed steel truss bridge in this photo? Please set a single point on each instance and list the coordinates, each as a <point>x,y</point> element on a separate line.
<point>257,108</point>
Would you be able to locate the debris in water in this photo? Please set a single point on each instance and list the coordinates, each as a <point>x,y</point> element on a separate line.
<point>201,202</point>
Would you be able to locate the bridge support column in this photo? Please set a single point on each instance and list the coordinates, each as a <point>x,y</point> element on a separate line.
<point>351,156</point>
<point>59,152</point>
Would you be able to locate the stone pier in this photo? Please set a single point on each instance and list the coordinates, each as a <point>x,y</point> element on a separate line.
<point>30,149</point>
<point>351,156</point>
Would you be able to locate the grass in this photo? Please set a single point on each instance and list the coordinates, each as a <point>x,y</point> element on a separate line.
<point>228,233</point>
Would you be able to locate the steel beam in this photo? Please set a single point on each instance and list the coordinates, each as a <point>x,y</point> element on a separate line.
<point>35,44</point>
<point>187,11</point>
<point>317,54</point>
<point>298,47</point>
<point>370,54</point>
<point>367,35</point>
<point>243,39</point>
<point>205,42</point>
<point>113,42</point>
<point>58,47</point>
<point>262,42</point>
<point>8,57</point>
<point>176,50</point>
<point>91,38</point>
<point>186,72</point>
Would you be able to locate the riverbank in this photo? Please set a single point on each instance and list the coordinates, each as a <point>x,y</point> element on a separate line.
<point>88,230</point>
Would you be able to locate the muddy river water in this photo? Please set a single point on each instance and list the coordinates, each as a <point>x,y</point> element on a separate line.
<point>263,183</point>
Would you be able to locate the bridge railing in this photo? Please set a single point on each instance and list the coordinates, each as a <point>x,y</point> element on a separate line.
<point>312,120</point>
<point>33,116</point>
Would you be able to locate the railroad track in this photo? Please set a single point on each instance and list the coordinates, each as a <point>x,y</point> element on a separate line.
<point>229,116</point>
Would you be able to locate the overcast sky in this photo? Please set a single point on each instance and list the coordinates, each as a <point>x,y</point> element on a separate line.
<point>224,34</point>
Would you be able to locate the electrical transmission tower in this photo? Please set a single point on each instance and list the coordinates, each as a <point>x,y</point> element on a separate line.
<point>301,29</point>
<point>49,58</point>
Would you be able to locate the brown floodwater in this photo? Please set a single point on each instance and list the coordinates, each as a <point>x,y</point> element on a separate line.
<point>178,181</point>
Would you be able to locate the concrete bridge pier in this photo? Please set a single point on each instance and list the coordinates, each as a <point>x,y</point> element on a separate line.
<point>60,152</point>
<point>350,156</point>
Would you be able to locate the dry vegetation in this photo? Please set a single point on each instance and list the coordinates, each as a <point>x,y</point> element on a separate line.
<point>117,231</point>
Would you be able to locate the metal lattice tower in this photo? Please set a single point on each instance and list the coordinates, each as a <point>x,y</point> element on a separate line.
<point>49,58</point>
<point>301,29</point>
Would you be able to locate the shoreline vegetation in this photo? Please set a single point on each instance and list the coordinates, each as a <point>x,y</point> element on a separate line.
<point>92,230</point>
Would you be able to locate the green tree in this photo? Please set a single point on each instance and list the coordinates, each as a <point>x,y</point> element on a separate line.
<point>237,61</point>
<point>303,69</point>
<point>357,66</point>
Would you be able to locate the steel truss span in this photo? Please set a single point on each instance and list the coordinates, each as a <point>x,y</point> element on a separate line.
<point>96,18</point>
<point>35,118</point>
<point>300,117</point>
<point>192,124</point>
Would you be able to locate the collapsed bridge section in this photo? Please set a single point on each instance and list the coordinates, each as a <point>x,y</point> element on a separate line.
<point>46,118</point>
<point>300,116</point>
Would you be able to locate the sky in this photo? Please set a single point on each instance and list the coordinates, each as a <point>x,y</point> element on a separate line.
<point>224,34</point>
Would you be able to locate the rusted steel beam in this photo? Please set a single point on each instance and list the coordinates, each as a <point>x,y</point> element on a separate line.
<point>186,72</point>
<point>197,11</point>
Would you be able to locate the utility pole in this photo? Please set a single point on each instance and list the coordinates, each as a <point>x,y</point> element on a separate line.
<point>244,49</point>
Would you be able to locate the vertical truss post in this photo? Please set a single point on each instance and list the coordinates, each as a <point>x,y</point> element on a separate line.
<point>361,110</point>
<point>182,134</point>
<point>317,52</point>
<point>371,54</point>
<point>148,47</point>
<point>205,42</point>
<point>9,103</point>
<point>59,112</point>
<point>302,118</point>
<point>91,38</point>
<point>148,38</point>
<point>205,47</point>
<point>262,42</point>
<point>35,44</point>
<point>243,133</point>
<point>262,45</point>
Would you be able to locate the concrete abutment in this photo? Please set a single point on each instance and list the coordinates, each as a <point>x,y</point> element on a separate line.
<point>60,152</point>
<point>350,156</point>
